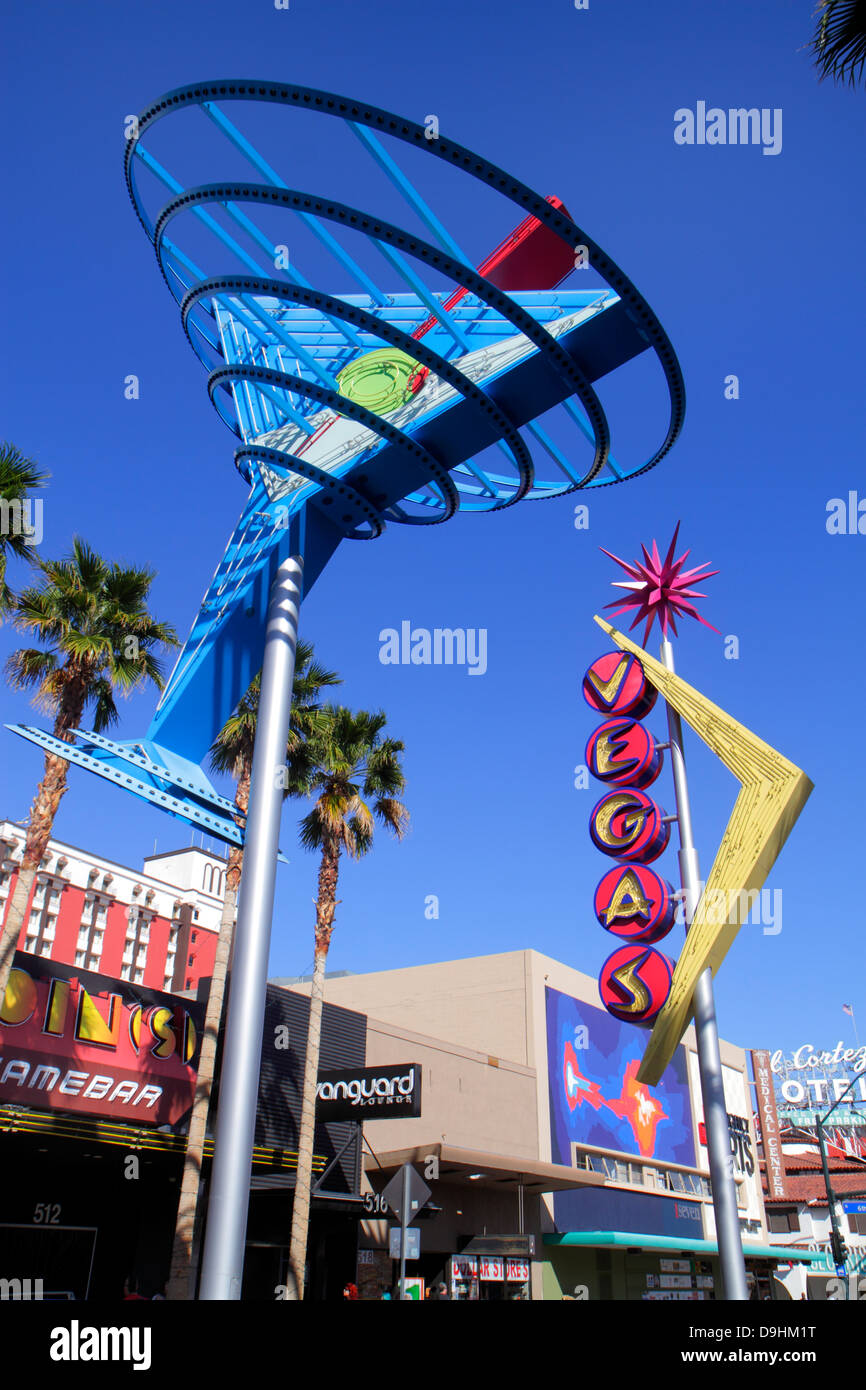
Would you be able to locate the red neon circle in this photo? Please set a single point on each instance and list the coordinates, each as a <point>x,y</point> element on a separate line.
<point>635,982</point>
<point>622,753</point>
<point>615,684</point>
<point>627,824</point>
<point>634,903</point>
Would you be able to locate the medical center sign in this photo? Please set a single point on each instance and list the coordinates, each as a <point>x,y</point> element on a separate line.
<point>769,1118</point>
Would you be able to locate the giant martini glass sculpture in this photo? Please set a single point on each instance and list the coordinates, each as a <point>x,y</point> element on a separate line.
<point>353,408</point>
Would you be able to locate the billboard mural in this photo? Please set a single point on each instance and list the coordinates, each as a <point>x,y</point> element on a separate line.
<point>595,1096</point>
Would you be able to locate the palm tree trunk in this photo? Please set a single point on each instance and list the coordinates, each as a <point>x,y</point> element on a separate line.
<point>304,1178</point>
<point>42,814</point>
<point>325,908</point>
<point>181,1279</point>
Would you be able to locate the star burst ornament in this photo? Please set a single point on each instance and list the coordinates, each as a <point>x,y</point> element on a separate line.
<point>659,588</point>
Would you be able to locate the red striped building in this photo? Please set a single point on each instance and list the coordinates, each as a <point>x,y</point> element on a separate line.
<point>156,926</point>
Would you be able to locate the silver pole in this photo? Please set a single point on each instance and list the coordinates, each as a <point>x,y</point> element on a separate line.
<point>712,1083</point>
<point>225,1235</point>
<point>403,1223</point>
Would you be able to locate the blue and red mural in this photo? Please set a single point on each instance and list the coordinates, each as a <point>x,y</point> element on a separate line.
<point>595,1097</point>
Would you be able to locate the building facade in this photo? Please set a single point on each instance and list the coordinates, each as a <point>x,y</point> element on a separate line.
<point>554,1173</point>
<point>800,1221</point>
<point>794,1091</point>
<point>97,1076</point>
<point>156,926</point>
<point>544,1153</point>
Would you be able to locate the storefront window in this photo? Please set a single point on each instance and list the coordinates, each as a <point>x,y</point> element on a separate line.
<point>488,1278</point>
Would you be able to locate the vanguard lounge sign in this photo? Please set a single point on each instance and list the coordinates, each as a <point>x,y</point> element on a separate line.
<point>370,1093</point>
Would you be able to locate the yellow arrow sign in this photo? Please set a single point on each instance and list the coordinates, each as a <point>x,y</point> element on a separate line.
<point>772,794</point>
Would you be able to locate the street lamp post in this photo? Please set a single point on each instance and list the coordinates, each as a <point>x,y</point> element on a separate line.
<point>836,1242</point>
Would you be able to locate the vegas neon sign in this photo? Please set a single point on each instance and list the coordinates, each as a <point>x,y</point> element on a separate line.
<point>631,901</point>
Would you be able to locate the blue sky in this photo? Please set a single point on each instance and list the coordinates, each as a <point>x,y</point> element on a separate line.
<point>753,263</point>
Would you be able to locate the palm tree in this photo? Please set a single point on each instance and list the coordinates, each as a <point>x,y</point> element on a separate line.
<point>232,753</point>
<point>839,41</point>
<point>348,764</point>
<point>98,639</point>
<point>18,477</point>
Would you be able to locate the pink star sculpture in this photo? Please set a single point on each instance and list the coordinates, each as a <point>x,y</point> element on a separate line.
<point>660,588</point>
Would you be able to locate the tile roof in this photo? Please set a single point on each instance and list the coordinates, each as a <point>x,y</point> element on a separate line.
<point>804,1178</point>
<point>809,1187</point>
<point>795,1163</point>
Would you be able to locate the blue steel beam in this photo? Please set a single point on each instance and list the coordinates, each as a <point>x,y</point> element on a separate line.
<point>214,227</point>
<point>159,793</point>
<point>406,189</point>
<point>222,122</point>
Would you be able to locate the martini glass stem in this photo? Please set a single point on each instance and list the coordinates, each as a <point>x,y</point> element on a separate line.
<point>228,1202</point>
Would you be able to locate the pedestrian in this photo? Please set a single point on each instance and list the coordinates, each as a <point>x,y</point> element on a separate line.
<point>350,1291</point>
<point>131,1291</point>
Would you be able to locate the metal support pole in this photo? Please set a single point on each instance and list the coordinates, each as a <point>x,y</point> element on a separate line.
<point>225,1234</point>
<point>820,1121</point>
<point>712,1084</point>
<point>404,1220</point>
<point>831,1197</point>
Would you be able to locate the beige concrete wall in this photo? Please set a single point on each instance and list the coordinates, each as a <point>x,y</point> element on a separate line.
<point>465,1100</point>
<point>488,1008</point>
<point>479,1003</point>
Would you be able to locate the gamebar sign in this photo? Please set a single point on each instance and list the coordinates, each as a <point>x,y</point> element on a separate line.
<point>74,1040</point>
<point>370,1093</point>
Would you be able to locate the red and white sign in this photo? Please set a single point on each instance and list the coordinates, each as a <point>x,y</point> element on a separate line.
<point>517,1271</point>
<point>769,1124</point>
<point>72,1040</point>
<point>491,1267</point>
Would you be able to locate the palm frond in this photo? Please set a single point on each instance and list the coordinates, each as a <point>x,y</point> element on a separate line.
<point>310,832</point>
<point>393,814</point>
<point>19,477</point>
<point>839,42</point>
<point>232,749</point>
<point>29,666</point>
<point>105,710</point>
<point>84,611</point>
<point>18,474</point>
